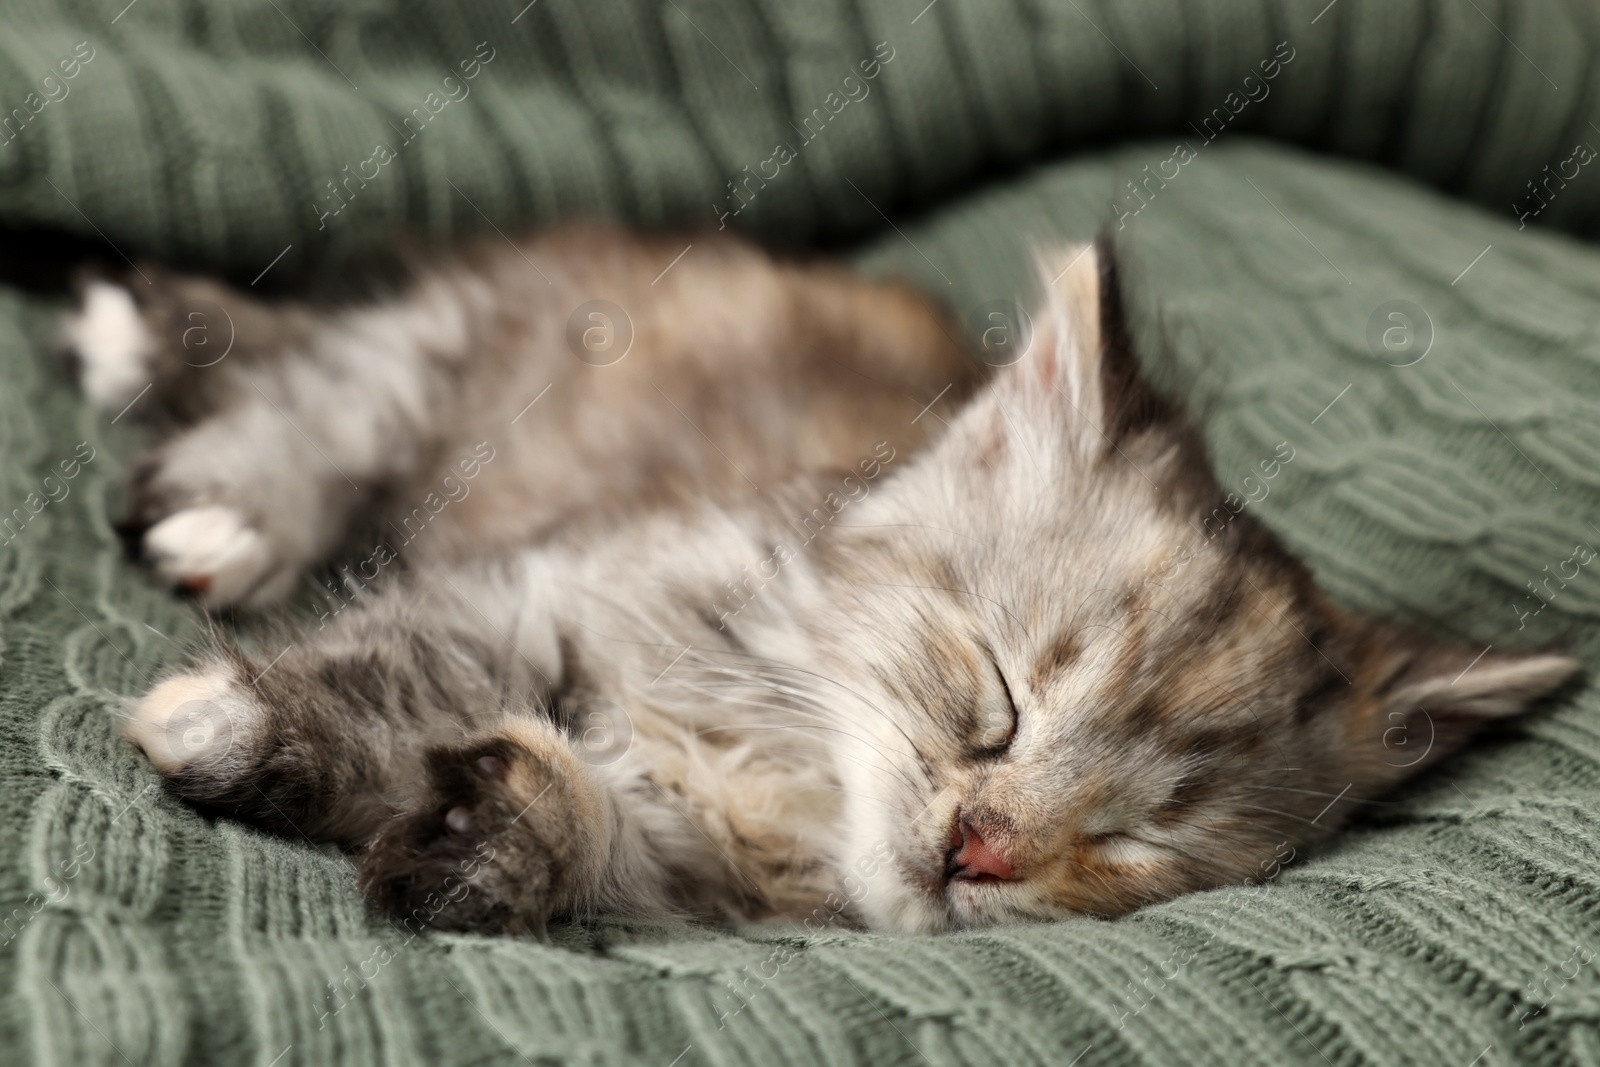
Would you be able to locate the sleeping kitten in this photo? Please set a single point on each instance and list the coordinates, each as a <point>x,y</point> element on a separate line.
<point>752,600</point>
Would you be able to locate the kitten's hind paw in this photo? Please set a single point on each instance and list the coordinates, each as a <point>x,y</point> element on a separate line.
<point>113,348</point>
<point>503,839</point>
<point>211,553</point>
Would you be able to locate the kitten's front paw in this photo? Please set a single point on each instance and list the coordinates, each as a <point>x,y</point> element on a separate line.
<point>209,552</point>
<point>113,348</point>
<point>501,841</point>
<point>195,728</point>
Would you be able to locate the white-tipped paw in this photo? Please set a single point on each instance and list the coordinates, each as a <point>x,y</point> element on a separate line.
<point>191,719</point>
<point>209,551</point>
<point>113,345</point>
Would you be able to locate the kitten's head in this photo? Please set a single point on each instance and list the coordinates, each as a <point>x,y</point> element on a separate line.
<point>1083,678</point>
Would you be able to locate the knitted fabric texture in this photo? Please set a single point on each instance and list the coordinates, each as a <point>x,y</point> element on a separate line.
<point>1388,160</point>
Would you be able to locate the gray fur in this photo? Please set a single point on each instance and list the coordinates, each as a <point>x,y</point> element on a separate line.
<point>790,674</point>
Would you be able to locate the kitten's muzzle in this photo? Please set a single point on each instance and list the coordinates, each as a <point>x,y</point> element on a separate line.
<point>970,858</point>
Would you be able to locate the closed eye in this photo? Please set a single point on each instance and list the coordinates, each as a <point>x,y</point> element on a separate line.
<point>1002,729</point>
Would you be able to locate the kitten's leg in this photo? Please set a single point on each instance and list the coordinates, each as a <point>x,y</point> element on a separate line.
<point>499,829</point>
<point>159,346</point>
<point>326,743</point>
<point>235,507</point>
<point>327,734</point>
<point>406,726</point>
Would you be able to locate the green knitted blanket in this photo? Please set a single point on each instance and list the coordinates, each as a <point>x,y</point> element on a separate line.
<point>1444,460</point>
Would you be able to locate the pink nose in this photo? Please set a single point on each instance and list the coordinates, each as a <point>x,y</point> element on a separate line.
<point>973,859</point>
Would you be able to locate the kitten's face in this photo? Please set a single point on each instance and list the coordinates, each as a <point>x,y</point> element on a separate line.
<point>1068,696</point>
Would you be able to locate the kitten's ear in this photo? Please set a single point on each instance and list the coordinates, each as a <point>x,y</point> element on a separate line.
<point>1473,687</point>
<point>1080,365</point>
<point>1428,699</point>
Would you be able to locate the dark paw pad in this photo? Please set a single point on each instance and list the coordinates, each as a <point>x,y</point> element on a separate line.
<point>481,851</point>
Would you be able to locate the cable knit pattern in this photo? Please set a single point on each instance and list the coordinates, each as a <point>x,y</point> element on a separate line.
<point>1455,925</point>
